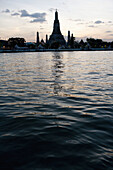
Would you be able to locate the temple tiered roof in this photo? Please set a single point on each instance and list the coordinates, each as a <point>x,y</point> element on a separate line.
<point>56,36</point>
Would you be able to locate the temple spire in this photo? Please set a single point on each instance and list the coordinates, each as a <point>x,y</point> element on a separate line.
<point>56,15</point>
<point>56,26</point>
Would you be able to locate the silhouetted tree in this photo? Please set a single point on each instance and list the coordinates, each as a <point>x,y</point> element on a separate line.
<point>82,44</point>
<point>16,41</point>
<point>94,43</point>
<point>76,44</point>
<point>111,44</point>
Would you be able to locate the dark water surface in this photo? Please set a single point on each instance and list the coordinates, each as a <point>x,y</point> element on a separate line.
<point>56,111</point>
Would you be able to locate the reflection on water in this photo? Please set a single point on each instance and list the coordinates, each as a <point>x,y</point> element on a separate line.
<point>56,110</point>
<point>57,71</point>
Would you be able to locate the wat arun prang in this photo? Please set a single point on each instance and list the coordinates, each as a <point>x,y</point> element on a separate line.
<point>56,39</point>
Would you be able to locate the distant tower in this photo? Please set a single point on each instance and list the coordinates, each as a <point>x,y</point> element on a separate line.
<point>68,37</point>
<point>56,35</point>
<point>72,36</point>
<point>72,39</point>
<point>37,39</point>
<point>46,38</point>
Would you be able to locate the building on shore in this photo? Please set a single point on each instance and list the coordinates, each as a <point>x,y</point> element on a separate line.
<point>3,44</point>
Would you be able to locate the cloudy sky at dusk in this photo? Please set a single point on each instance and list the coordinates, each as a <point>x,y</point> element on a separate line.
<point>84,18</point>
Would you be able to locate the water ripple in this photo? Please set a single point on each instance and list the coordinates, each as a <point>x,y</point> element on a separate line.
<point>56,110</point>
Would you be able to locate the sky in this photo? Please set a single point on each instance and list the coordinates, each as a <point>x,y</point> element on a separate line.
<point>84,18</point>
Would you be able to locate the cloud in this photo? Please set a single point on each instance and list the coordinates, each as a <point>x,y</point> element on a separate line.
<point>92,26</point>
<point>15,14</point>
<point>41,28</point>
<point>81,23</point>
<point>39,17</point>
<point>6,11</point>
<point>76,20</point>
<point>98,22</point>
<point>63,3</point>
<point>52,9</point>
<point>24,13</point>
<point>108,31</point>
<point>41,20</point>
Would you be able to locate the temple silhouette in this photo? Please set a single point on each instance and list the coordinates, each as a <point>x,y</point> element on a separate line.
<point>55,41</point>
<point>56,38</point>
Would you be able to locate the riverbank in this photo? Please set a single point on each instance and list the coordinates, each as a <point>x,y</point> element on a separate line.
<point>49,50</point>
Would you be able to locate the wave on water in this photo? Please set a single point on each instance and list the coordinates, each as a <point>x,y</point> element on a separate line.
<point>56,110</point>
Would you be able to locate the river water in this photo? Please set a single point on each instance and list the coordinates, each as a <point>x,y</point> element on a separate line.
<point>56,111</point>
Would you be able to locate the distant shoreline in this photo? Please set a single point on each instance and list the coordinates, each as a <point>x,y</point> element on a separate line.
<point>53,50</point>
